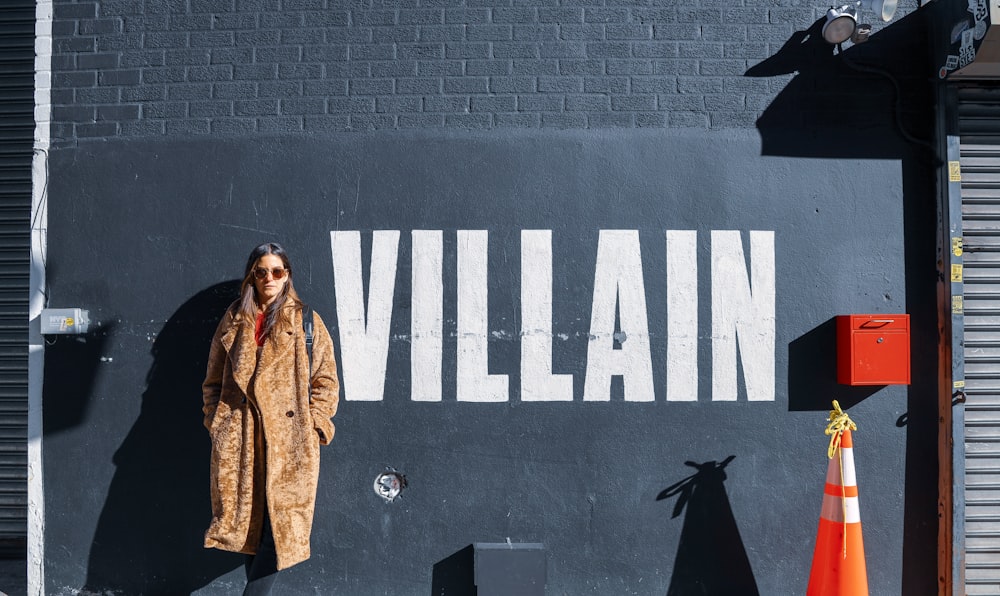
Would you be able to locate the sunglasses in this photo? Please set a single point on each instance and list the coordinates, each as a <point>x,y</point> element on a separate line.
<point>276,273</point>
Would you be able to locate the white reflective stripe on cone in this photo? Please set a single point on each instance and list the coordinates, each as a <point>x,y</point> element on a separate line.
<point>833,471</point>
<point>833,509</point>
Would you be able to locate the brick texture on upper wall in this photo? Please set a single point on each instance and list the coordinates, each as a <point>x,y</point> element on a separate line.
<point>136,68</point>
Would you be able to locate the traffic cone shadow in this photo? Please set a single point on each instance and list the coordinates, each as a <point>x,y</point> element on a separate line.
<point>838,567</point>
<point>711,558</point>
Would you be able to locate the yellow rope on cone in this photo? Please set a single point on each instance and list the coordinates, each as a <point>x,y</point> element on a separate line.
<point>839,422</point>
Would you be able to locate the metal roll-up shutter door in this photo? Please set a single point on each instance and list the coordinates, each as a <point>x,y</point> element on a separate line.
<point>979,129</point>
<point>17,97</point>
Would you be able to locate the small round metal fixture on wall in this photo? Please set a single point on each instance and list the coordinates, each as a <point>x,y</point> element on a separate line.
<point>389,484</point>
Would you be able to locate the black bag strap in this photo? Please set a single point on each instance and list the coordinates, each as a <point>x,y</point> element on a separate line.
<point>307,327</point>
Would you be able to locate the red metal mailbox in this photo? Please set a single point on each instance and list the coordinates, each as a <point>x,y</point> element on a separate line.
<point>873,349</point>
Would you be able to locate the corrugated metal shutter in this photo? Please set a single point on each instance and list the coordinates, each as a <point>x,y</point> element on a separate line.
<point>17,65</point>
<point>979,129</point>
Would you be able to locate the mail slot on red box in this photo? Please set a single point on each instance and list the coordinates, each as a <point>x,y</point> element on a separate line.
<point>873,349</point>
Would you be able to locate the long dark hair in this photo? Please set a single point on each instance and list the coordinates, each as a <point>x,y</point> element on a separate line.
<point>248,304</point>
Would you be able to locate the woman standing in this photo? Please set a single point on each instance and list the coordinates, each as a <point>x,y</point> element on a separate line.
<point>267,416</point>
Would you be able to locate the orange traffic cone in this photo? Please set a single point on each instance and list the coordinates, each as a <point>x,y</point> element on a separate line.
<point>838,567</point>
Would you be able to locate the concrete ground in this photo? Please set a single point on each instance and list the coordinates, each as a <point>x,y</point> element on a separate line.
<point>13,577</point>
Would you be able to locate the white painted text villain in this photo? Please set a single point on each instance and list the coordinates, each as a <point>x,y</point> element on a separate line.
<point>743,315</point>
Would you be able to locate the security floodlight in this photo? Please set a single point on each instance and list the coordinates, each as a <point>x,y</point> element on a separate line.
<point>883,8</point>
<point>840,23</point>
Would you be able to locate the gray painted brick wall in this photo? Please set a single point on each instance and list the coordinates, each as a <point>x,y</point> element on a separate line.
<point>183,67</point>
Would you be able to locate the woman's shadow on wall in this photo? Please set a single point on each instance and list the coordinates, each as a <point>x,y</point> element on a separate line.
<point>711,559</point>
<point>149,534</point>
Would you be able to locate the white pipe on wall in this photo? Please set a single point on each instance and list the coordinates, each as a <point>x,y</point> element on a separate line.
<point>36,350</point>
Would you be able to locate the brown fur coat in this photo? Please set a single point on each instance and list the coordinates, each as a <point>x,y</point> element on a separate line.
<point>250,404</point>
